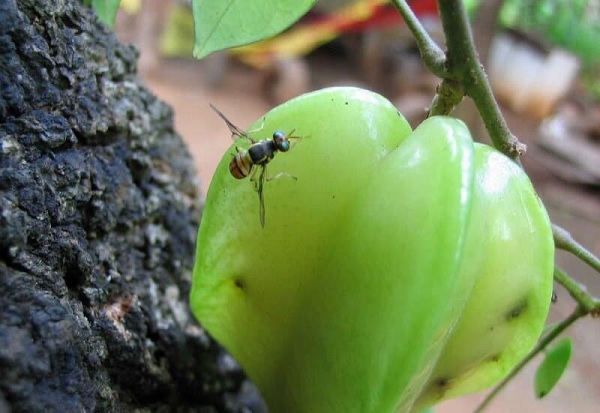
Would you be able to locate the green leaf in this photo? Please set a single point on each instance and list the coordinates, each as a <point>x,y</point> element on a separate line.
<point>106,10</point>
<point>552,368</point>
<point>224,24</point>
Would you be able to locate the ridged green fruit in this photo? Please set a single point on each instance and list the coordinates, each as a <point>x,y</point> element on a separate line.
<point>399,269</point>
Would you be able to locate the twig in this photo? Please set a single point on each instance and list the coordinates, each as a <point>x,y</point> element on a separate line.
<point>565,241</point>
<point>542,344</point>
<point>433,57</point>
<point>589,303</point>
<point>463,65</point>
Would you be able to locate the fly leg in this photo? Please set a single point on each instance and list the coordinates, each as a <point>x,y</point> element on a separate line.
<point>259,187</point>
<point>262,125</point>
<point>282,174</point>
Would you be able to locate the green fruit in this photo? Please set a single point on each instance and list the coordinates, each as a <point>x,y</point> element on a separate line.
<point>399,269</point>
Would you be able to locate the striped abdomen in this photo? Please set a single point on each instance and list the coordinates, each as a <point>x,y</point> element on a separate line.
<point>241,165</point>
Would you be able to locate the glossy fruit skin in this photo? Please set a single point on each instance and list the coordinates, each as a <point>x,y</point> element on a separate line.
<point>399,269</point>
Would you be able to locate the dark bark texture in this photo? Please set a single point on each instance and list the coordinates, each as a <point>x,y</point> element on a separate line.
<point>99,210</point>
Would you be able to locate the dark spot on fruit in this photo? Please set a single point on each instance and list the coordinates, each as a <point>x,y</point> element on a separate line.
<point>516,310</point>
<point>440,385</point>
<point>495,358</point>
<point>346,103</point>
<point>442,382</point>
<point>239,283</point>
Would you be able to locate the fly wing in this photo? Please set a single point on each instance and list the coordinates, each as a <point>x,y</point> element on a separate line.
<point>235,131</point>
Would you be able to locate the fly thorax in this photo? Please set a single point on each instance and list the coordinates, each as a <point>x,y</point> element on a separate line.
<point>262,152</point>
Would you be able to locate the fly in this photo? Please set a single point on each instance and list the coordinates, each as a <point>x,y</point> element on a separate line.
<point>247,162</point>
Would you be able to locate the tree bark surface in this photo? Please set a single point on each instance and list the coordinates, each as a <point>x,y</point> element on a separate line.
<point>99,207</point>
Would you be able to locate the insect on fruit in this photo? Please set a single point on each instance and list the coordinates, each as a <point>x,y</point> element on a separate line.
<point>246,162</point>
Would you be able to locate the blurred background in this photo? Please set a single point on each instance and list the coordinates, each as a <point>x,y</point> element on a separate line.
<point>543,59</point>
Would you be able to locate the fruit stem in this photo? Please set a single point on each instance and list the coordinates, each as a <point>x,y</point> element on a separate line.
<point>464,65</point>
<point>565,241</point>
<point>448,95</point>
<point>541,346</point>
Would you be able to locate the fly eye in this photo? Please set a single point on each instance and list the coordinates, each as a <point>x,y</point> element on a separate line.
<point>281,141</point>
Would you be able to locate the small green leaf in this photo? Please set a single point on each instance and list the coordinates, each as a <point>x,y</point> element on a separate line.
<point>224,24</point>
<point>106,10</point>
<point>552,368</point>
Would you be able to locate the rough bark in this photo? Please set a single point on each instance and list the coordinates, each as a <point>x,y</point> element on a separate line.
<point>99,209</point>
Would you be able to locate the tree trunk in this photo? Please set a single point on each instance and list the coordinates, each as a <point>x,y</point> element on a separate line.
<point>99,210</point>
